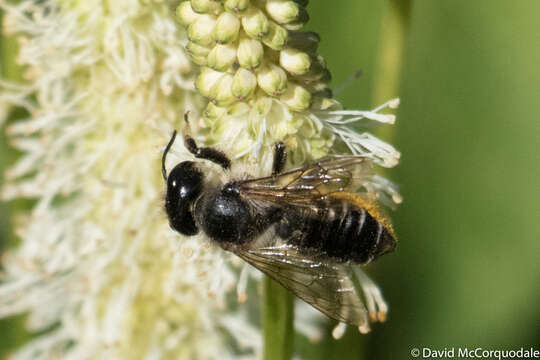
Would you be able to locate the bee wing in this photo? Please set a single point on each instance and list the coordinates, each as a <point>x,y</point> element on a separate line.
<point>327,286</point>
<point>304,185</point>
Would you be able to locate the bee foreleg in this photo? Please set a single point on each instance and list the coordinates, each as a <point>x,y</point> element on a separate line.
<point>207,153</point>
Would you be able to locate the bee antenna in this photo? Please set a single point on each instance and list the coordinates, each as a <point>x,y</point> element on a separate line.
<point>187,130</point>
<point>164,157</point>
<point>354,76</point>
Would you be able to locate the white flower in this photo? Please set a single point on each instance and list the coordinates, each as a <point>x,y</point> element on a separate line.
<point>105,84</point>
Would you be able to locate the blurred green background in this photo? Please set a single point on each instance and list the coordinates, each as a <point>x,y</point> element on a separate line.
<point>466,271</point>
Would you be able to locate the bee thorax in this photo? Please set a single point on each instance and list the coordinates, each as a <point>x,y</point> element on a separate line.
<point>226,217</point>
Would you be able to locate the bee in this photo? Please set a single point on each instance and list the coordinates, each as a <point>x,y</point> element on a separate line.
<point>303,227</point>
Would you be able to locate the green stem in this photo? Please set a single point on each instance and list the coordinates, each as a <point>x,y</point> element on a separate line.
<point>395,23</point>
<point>278,320</point>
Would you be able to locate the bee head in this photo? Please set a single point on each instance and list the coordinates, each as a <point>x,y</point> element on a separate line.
<point>184,185</point>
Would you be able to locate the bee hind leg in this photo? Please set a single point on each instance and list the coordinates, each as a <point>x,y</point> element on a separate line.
<point>280,157</point>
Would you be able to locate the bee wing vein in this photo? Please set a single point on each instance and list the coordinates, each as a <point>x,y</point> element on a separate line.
<point>312,277</point>
<point>305,185</point>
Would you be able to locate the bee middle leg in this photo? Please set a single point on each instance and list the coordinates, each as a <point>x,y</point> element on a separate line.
<point>280,157</point>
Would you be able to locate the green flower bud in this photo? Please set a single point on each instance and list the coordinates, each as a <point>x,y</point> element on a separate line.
<point>255,23</point>
<point>238,109</point>
<point>236,5</point>
<point>200,60</point>
<point>272,79</point>
<point>207,80</point>
<point>284,126</point>
<point>294,61</point>
<point>319,147</point>
<point>296,97</point>
<point>227,27</point>
<point>221,94</point>
<point>185,13</point>
<point>294,26</point>
<point>303,18</point>
<point>244,84</point>
<point>204,6</point>
<point>213,111</point>
<point>198,53</point>
<point>197,50</point>
<point>276,37</point>
<point>250,53</point>
<point>285,12</point>
<point>216,132</point>
<point>263,105</point>
<point>222,57</point>
<point>308,129</point>
<point>295,123</point>
<point>279,129</point>
<point>201,30</point>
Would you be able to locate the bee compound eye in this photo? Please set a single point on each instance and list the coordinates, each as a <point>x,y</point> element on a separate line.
<point>184,186</point>
<point>185,181</point>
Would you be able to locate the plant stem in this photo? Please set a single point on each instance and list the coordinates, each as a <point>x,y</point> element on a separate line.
<point>278,319</point>
<point>395,26</point>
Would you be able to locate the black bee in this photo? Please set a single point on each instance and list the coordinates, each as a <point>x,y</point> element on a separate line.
<point>304,228</point>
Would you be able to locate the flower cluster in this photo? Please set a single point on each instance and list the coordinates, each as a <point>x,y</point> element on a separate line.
<point>104,85</point>
<point>258,75</point>
<point>265,82</point>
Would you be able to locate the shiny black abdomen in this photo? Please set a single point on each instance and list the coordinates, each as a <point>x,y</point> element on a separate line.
<point>338,228</point>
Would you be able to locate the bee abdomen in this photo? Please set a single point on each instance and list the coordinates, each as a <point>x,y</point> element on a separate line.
<point>346,232</point>
<point>372,239</point>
